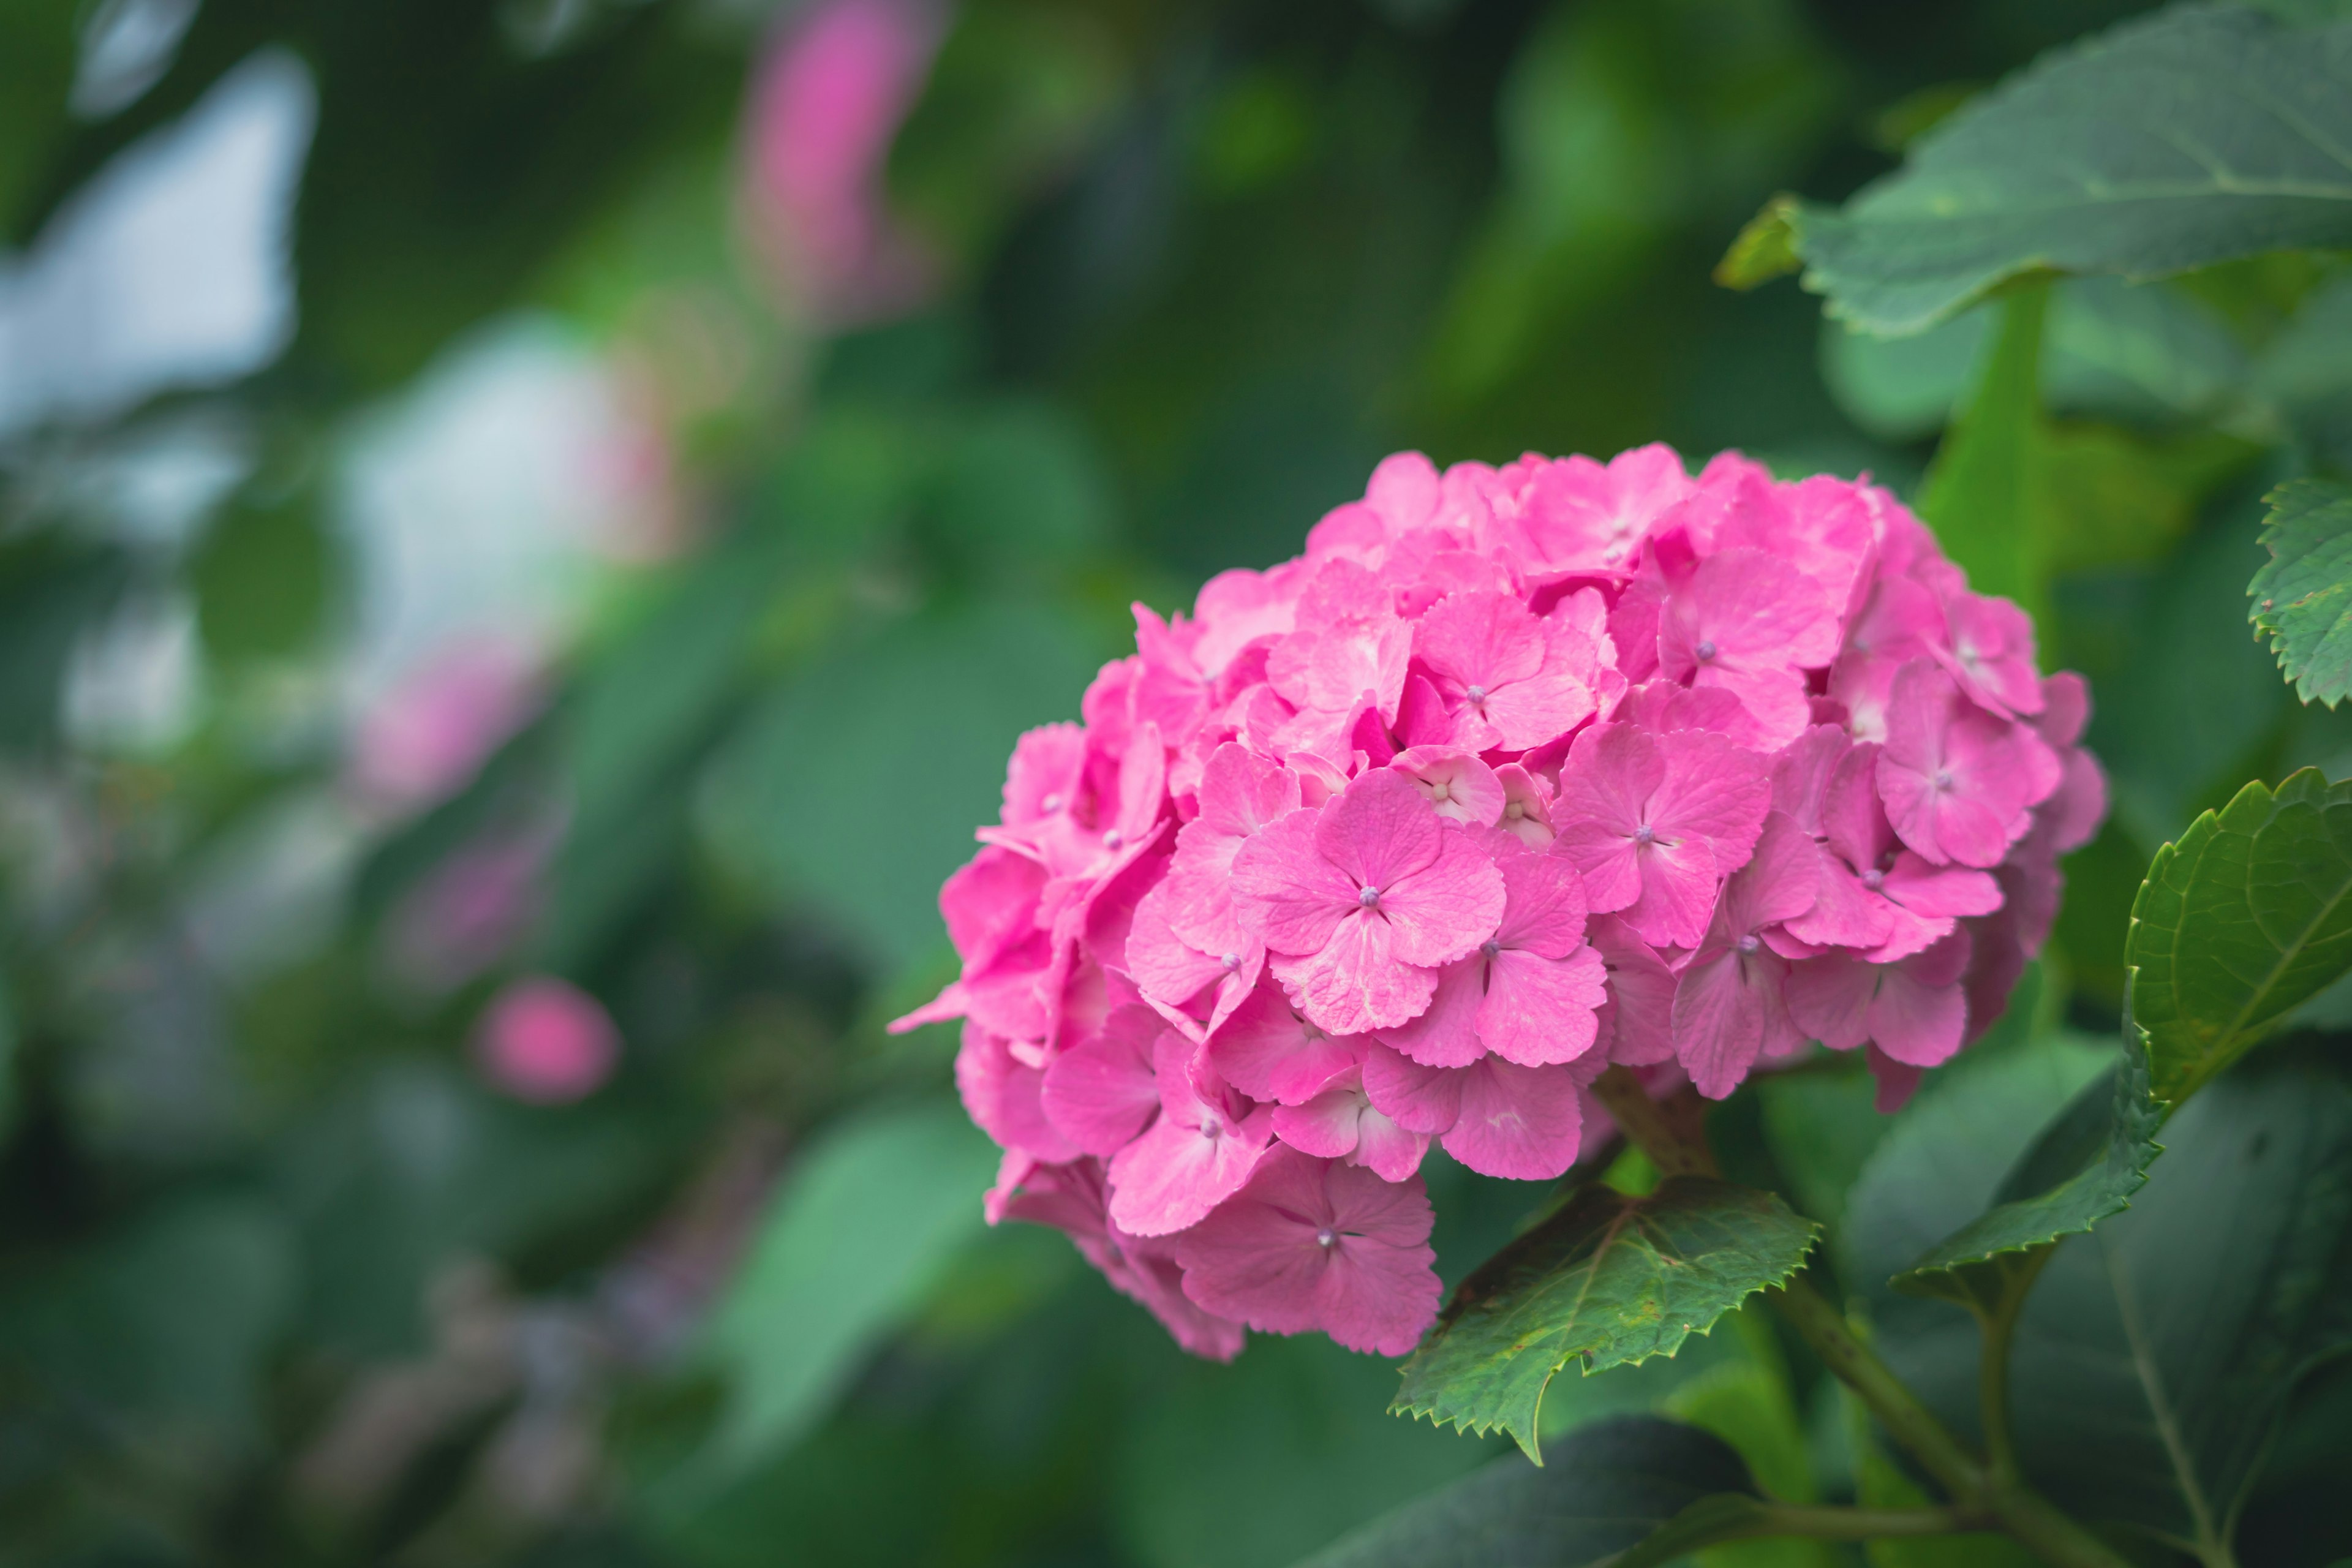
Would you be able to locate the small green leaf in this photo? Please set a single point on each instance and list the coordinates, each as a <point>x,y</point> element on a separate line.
<point>2084,1168</point>
<point>2302,597</point>
<point>2247,916</point>
<point>1617,1481</point>
<point>1607,1279</point>
<point>2188,138</point>
<point>1765,249</point>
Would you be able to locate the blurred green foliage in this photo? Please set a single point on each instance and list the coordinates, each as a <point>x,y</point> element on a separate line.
<point>284,1279</point>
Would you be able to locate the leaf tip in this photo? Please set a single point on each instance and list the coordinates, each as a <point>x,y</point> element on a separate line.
<point>1765,249</point>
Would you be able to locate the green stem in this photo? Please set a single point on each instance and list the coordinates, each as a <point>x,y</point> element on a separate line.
<point>1998,1322</point>
<point>1976,1489</point>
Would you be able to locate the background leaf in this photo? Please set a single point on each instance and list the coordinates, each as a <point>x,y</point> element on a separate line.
<point>1606,1279</point>
<point>2194,136</point>
<point>857,1234</point>
<point>1608,1486</point>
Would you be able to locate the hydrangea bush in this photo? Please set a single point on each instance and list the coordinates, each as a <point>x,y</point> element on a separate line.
<point>1515,776</point>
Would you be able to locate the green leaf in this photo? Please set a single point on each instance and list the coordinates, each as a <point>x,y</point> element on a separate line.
<point>2085,1167</point>
<point>1982,496</point>
<point>2157,1355</point>
<point>1950,1154</point>
<point>2192,137</point>
<point>1606,1279</point>
<point>1615,1483</point>
<point>860,1231</point>
<point>1728,1516</point>
<point>2302,597</point>
<point>928,708</point>
<point>1765,249</point>
<point>1292,1437</point>
<point>2247,916</point>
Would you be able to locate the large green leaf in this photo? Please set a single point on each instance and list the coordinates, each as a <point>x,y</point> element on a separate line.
<point>1292,1437</point>
<point>2247,915</point>
<point>2302,597</point>
<point>860,1231</point>
<point>2201,134</point>
<point>2155,1357</point>
<point>1607,1279</point>
<point>1615,1483</point>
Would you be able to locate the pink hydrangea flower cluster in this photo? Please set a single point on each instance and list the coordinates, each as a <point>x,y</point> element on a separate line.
<point>1515,775</point>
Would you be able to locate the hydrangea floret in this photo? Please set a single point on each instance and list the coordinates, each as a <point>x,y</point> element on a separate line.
<point>1515,775</point>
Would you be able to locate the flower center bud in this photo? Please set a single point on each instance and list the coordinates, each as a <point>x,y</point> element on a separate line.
<point>1476,694</point>
<point>1943,778</point>
<point>1873,879</point>
<point>1113,838</point>
<point>1645,834</point>
<point>1210,1126</point>
<point>1706,650</point>
<point>1489,948</point>
<point>1232,960</point>
<point>1748,944</point>
<point>1050,804</point>
<point>1325,1238</point>
<point>1369,897</point>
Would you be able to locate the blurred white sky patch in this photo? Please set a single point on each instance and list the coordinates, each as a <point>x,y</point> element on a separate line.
<point>126,47</point>
<point>487,497</point>
<point>136,684</point>
<point>170,267</point>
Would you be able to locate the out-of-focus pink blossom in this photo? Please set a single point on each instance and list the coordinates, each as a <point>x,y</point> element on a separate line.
<point>547,1041</point>
<point>827,102</point>
<point>427,736</point>
<point>1519,773</point>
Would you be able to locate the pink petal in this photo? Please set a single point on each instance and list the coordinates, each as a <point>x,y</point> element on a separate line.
<point>1418,1098</point>
<point>1482,639</point>
<point>1444,909</point>
<point>1263,1256</point>
<point>1378,831</point>
<point>1326,1125</point>
<point>1678,888</point>
<point>1447,1033</point>
<point>1637,1020</point>
<point>1720,1008</point>
<point>1356,984</point>
<point>1538,1011</point>
<point>1100,1094</point>
<point>1844,913</point>
<point>1387,1149</point>
<point>1457,786</point>
<point>1171,1178</point>
<point>1917,1025</point>
<point>1605,857</point>
<point>1001,1095</point>
<point>1268,1051</point>
<point>1543,900</point>
<point>1713,790</point>
<point>1830,998</point>
<point>1937,892</point>
<point>1285,889</point>
<point>1520,1124</point>
<point>1897,1081</point>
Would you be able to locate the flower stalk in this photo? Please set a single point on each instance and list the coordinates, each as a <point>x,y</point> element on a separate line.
<point>1992,1491</point>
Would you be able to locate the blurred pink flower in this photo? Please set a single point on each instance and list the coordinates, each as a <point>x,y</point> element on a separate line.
<point>424,738</point>
<point>828,101</point>
<point>464,915</point>
<point>547,1041</point>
